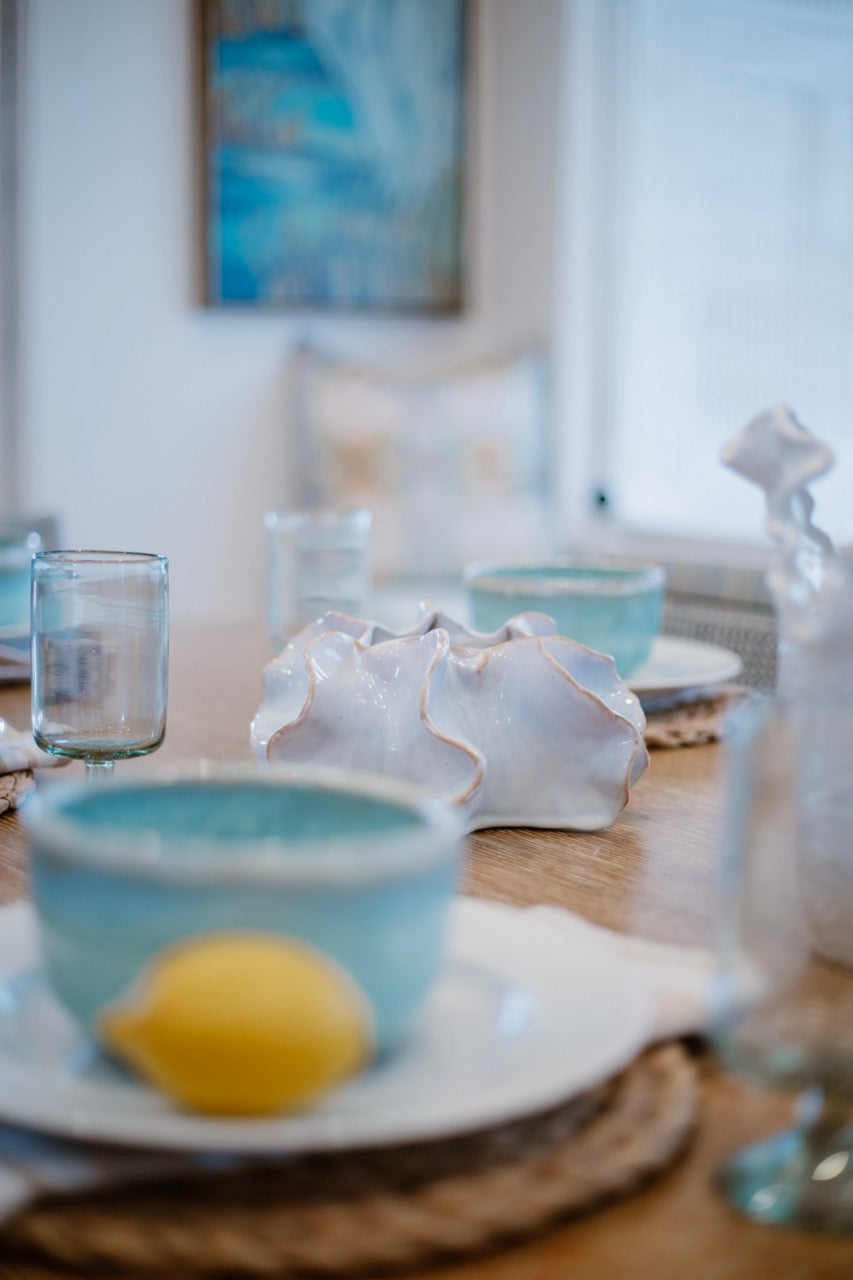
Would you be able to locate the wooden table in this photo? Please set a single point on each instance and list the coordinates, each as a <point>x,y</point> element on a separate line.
<point>651,873</point>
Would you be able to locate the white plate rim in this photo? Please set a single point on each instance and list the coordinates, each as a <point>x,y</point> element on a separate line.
<point>479,927</point>
<point>14,662</point>
<point>12,673</point>
<point>719,664</point>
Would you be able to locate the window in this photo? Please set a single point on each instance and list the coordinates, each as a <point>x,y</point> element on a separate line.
<point>707,265</point>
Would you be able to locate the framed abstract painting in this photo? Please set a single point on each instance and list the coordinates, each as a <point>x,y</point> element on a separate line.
<point>334,152</point>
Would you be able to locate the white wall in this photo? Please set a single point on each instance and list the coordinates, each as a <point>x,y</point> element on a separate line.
<point>152,423</point>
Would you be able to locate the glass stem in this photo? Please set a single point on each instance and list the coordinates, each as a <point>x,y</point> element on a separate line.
<point>827,1126</point>
<point>98,771</point>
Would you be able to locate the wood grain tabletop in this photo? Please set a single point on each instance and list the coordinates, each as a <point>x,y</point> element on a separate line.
<point>651,873</point>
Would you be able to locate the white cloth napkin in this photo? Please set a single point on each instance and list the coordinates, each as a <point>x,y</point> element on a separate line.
<point>677,978</point>
<point>18,751</point>
<point>33,1164</point>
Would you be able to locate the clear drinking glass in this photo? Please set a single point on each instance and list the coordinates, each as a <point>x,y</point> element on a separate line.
<point>100,640</point>
<point>784,999</point>
<point>316,561</point>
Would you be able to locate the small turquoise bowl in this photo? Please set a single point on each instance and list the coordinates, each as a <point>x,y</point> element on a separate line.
<point>612,606</point>
<point>16,554</point>
<point>362,868</point>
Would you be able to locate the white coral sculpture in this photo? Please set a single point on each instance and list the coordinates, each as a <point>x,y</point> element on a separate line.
<point>521,727</point>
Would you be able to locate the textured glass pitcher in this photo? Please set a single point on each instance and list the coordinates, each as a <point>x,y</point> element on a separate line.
<point>811,583</point>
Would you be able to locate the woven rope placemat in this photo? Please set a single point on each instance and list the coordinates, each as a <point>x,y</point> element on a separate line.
<point>699,719</point>
<point>13,788</point>
<point>336,1214</point>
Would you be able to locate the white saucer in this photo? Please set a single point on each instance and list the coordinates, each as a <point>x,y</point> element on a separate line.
<point>14,654</point>
<point>675,663</point>
<point>14,673</point>
<point>15,633</point>
<point>523,1018</point>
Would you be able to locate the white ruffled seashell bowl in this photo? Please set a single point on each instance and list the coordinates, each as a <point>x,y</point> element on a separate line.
<point>520,727</point>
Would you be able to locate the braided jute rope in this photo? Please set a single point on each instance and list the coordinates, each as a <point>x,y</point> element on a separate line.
<point>335,1214</point>
<point>13,788</point>
<point>697,720</point>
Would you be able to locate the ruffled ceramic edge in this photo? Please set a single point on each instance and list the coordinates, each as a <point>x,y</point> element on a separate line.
<point>370,633</point>
<point>366,634</point>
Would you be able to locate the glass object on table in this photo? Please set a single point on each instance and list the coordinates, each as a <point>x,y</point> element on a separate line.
<point>99,655</point>
<point>316,561</point>
<point>784,996</point>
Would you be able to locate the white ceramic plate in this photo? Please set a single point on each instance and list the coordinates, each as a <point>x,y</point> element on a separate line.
<point>14,654</point>
<point>14,673</point>
<point>16,637</point>
<point>675,664</point>
<point>522,1019</point>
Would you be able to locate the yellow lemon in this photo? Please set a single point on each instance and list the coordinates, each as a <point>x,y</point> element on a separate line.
<point>241,1023</point>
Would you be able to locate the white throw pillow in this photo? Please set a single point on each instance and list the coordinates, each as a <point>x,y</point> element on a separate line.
<point>454,467</point>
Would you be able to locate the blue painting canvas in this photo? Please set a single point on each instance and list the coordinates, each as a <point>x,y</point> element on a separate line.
<point>334,148</point>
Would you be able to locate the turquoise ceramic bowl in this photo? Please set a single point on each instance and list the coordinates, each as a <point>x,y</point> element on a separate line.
<point>362,868</point>
<point>16,554</point>
<point>612,606</point>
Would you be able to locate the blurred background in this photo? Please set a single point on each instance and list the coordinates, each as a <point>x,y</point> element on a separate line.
<point>656,243</point>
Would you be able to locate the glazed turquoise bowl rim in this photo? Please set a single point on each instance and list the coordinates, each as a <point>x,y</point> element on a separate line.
<point>329,861</point>
<point>17,549</point>
<point>629,577</point>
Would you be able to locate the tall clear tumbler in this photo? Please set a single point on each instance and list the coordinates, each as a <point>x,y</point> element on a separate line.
<point>100,640</point>
<point>316,561</point>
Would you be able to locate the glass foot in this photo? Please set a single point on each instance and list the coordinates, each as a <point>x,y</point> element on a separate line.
<point>803,1178</point>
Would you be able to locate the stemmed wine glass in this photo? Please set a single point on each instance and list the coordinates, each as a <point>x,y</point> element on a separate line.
<point>99,655</point>
<point>784,997</point>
